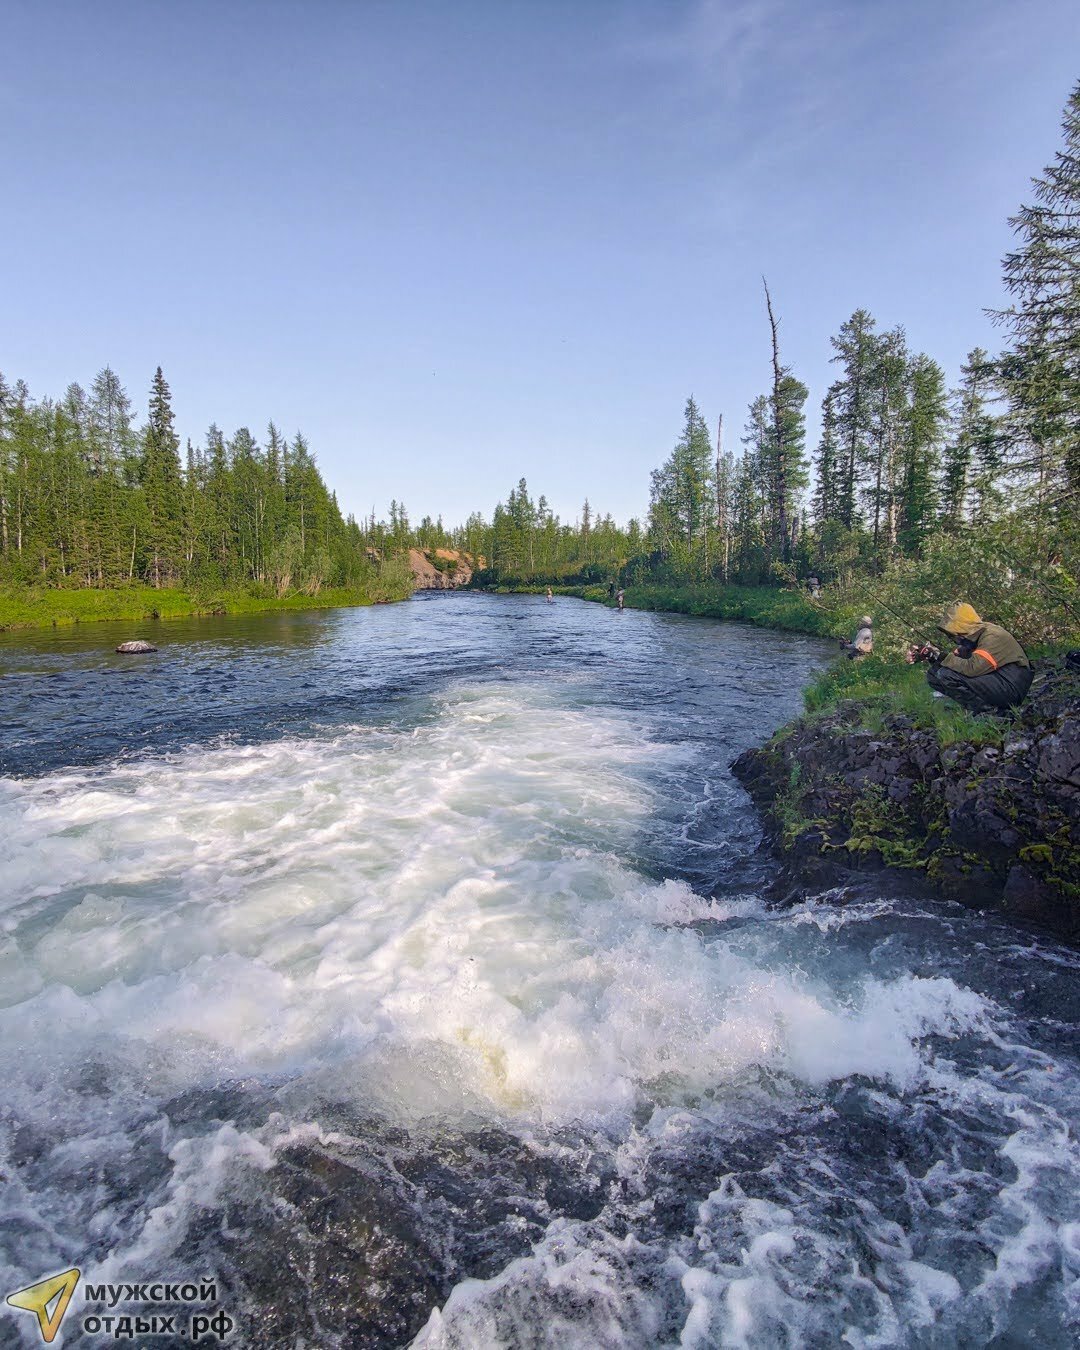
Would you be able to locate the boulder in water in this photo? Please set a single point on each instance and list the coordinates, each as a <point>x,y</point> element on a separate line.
<point>128,647</point>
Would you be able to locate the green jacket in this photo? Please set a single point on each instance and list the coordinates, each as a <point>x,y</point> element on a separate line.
<point>993,648</point>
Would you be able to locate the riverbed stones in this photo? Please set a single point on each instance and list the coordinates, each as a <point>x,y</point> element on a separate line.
<point>136,648</point>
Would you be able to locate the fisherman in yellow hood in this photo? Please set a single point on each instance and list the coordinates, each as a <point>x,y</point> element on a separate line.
<point>987,671</point>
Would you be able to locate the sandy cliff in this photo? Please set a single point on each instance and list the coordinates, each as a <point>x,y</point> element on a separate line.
<point>440,569</point>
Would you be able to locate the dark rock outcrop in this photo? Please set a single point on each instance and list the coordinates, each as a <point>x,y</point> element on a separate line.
<point>353,1239</point>
<point>992,824</point>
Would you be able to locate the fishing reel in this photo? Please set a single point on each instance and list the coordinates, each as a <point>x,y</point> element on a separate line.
<point>925,652</point>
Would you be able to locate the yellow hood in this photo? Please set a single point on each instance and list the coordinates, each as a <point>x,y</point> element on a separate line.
<point>960,620</point>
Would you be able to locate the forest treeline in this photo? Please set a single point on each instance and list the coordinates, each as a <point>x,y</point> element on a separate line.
<point>934,487</point>
<point>89,498</point>
<point>911,480</point>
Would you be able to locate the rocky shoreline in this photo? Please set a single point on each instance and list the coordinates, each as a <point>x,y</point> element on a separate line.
<point>993,822</point>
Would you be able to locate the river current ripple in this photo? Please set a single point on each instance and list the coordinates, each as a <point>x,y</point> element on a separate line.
<point>406,971</point>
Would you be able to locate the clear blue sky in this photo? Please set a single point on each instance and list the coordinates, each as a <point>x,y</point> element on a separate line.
<point>465,241</point>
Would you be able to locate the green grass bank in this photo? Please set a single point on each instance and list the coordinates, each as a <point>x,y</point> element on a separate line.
<point>27,608</point>
<point>765,606</point>
<point>878,688</point>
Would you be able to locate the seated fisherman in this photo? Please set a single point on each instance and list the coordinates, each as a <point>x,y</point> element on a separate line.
<point>862,644</point>
<point>988,670</point>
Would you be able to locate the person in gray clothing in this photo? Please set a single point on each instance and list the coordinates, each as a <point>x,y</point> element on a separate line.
<point>862,644</point>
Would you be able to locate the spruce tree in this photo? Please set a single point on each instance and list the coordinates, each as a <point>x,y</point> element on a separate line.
<point>299,471</point>
<point>725,489</point>
<point>115,455</point>
<point>248,502</point>
<point>888,408</point>
<point>753,494</point>
<point>747,499</point>
<point>162,484</point>
<point>1041,369</point>
<point>110,413</point>
<point>785,470</point>
<point>856,348</point>
<point>274,488</point>
<point>826,506</point>
<point>682,498</point>
<point>6,407</point>
<point>194,505</point>
<point>693,486</point>
<point>925,422</point>
<point>973,455</point>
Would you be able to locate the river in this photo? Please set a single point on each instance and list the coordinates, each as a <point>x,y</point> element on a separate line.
<point>406,970</point>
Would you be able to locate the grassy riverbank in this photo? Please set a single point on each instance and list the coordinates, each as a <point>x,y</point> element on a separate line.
<point>765,606</point>
<point>27,608</point>
<point>877,688</point>
<point>874,688</point>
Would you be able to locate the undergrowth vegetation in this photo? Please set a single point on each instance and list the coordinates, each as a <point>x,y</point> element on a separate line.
<point>1001,570</point>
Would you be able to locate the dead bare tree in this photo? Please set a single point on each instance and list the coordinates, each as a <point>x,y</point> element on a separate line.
<point>779,465</point>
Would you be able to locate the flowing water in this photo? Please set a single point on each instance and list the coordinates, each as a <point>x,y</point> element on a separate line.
<point>407,971</point>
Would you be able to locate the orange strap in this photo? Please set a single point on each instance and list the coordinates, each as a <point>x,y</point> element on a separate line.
<point>981,651</point>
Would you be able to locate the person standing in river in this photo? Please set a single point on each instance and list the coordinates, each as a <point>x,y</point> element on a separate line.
<point>988,670</point>
<point>620,598</point>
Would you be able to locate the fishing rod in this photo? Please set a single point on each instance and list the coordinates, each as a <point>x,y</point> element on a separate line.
<point>916,631</point>
<point>876,599</point>
<point>816,602</point>
<point>1019,567</point>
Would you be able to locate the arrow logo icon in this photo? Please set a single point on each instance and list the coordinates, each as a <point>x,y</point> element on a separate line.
<point>36,1298</point>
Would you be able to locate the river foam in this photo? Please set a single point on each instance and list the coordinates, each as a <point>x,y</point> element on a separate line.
<point>452,919</point>
<point>264,909</point>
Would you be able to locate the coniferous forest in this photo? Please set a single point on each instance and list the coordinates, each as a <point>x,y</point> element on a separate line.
<point>90,499</point>
<point>916,477</point>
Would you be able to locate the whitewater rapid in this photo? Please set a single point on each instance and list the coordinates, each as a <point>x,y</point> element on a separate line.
<point>833,1124</point>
